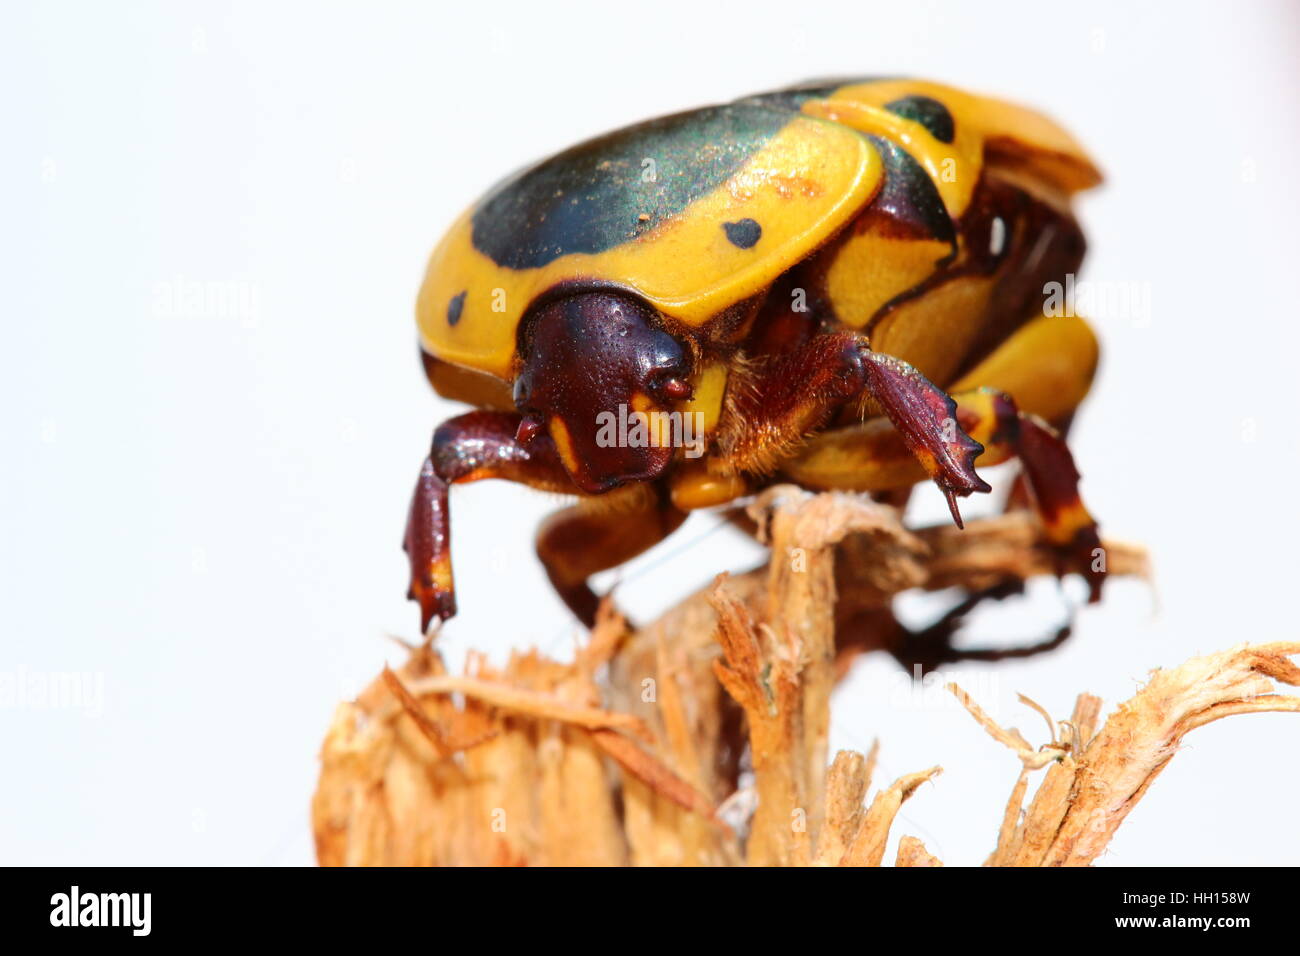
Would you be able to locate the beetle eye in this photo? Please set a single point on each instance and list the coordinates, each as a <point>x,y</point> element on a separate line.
<point>672,389</point>
<point>668,374</point>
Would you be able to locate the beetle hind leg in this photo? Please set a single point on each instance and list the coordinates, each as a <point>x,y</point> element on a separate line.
<point>923,651</point>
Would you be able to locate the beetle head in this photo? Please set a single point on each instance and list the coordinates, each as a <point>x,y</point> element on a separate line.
<point>596,366</point>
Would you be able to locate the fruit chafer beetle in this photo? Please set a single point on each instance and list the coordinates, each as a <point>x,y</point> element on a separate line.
<point>840,284</point>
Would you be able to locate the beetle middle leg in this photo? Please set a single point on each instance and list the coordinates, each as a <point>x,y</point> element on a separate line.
<point>599,533</point>
<point>1048,366</point>
<point>872,457</point>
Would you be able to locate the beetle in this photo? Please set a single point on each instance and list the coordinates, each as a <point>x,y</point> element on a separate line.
<point>838,284</point>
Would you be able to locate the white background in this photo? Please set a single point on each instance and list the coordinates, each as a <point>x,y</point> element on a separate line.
<point>203,506</point>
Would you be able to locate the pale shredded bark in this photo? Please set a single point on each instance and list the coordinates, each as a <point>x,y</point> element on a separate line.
<point>912,852</point>
<point>638,751</point>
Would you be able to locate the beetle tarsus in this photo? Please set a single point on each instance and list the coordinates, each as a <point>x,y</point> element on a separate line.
<point>426,545</point>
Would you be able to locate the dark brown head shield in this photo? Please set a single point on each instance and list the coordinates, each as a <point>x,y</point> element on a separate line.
<point>596,366</point>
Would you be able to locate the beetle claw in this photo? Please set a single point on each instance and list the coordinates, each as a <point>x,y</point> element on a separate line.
<point>951,497</point>
<point>926,418</point>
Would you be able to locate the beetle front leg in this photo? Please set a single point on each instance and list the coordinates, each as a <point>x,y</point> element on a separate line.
<point>469,447</point>
<point>799,392</point>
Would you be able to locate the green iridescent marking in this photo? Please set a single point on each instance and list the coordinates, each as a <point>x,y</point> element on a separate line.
<point>609,191</point>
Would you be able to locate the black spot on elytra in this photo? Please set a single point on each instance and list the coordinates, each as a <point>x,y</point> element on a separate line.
<point>455,307</point>
<point>743,233</point>
<point>930,113</point>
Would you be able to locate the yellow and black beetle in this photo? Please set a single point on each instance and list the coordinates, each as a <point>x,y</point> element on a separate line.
<point>710,282</point>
